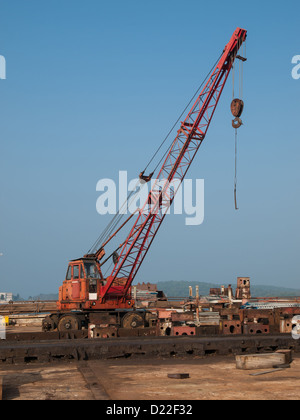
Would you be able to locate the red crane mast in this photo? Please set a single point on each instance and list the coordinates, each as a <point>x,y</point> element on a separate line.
<point>180,156</point>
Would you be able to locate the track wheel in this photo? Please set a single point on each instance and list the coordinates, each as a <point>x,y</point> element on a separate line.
<point>133,320</point>
<point>68,323</point>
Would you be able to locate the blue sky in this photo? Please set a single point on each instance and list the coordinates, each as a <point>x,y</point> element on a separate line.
<point>93,87</point>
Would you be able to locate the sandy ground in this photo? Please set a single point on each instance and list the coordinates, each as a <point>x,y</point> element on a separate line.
<point>212,378</point>
<point>139,379</point>
<point>47,382</point>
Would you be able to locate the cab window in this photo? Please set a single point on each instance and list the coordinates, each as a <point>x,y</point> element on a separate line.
<point>76,272</point>
<point>69,273</point>
<point>91,271</point>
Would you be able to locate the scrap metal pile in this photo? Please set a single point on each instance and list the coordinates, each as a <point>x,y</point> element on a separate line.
<point>219,313</point>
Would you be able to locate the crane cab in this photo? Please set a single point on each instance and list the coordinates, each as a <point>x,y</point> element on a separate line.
<point>84,287</point>
<point>82,294</point>
<point>82,284</point>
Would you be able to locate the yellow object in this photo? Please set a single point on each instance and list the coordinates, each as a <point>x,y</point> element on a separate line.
<point>6,318</point>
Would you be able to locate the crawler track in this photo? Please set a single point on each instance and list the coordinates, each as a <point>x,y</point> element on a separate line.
<point>154,347</point>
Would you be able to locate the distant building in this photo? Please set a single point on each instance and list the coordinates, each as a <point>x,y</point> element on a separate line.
<point>243,288</point>
<point>5,297</point>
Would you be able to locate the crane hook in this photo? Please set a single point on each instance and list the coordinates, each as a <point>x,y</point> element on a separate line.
<point>237,107</point>
<point>237,122</point>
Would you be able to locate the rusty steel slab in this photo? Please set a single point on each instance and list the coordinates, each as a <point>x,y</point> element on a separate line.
<point>28,307</point>
<point>182,316</point>
<point>183,330</point>
<point>231,327</point>
<point>254,328</point>
<point>153,347</point>
<point>42,336</point>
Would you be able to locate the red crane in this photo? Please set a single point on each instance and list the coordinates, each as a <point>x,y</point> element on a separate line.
<point>85,290</point>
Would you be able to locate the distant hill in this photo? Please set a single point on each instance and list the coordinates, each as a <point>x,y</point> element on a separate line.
<point>49,296</point>
<point>181,289</point>
<point>17,298</point>
<point>41,296</point>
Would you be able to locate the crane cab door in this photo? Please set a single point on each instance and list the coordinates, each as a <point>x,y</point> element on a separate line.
<point>76,284</point>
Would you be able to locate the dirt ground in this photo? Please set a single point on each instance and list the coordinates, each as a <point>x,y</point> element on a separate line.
<point>212,378</point>
<point>47,382</point>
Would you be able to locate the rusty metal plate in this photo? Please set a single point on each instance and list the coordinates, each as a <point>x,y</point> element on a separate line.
<point>183,331</point>
<point>232,327</point>
<point>253,328</point>
<point>182,316</point>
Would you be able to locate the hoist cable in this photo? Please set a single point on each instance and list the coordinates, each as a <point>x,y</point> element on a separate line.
<point>111,227</point>
<point>233,76</point>
<point>235,173</point>
<point>240,88</point>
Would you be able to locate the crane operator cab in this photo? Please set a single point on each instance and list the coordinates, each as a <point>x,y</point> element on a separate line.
<point>82,284</point>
